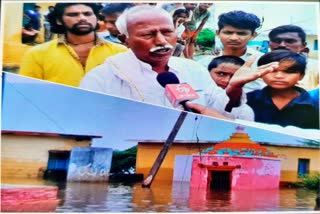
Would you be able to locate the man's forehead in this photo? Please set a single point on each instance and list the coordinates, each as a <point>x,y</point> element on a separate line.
<point>288,35</point>
<point>145,20</point>
<point>78,7</point>
<point>232,28</point>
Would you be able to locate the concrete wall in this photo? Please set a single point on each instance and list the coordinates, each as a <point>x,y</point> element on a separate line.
<point>89,164</point>
<point>147,153</point>
<point>27,156</point>
<point>182,168</point>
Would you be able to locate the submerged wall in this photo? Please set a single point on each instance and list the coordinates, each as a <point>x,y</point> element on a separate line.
<point>89,164</point>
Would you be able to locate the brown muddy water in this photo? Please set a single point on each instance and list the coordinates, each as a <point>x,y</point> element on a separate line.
<point>167,197</point>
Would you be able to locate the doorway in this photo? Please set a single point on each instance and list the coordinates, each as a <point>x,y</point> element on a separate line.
<point>58,164</point>
<point>220,180</point>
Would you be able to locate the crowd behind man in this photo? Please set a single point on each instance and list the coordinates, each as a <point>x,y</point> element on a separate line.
<point>139,46</point>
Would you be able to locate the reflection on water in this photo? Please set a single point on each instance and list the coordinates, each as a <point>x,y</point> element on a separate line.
<point>165,197</point>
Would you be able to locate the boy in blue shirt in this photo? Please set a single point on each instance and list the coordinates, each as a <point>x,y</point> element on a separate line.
<point>281,101</point>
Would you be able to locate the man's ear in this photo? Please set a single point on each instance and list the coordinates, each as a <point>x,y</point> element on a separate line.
<point>301,76</point>
<point>254,35</point>
<point>58,22</point>
<point>123,38</point>
<point>217,33</point>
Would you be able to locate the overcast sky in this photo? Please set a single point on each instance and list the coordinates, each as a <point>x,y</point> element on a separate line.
<point>39,106</point>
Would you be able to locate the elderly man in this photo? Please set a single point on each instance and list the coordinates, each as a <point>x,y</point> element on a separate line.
<point>151,38</point>
<point>66,60</point>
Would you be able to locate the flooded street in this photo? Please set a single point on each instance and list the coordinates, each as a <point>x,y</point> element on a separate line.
<point>162,197</point>
<point>165,197</point>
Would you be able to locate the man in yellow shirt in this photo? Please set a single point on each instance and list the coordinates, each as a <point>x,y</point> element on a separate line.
<point>78,50</point>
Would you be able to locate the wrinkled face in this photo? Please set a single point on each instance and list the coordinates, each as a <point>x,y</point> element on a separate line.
<point>290,41</point>
<point>235,38</point>
<point>110,23</point>
<point>79,19</point>
<point>147,33</point>
<point>223,73</point>
<point>282,78</point>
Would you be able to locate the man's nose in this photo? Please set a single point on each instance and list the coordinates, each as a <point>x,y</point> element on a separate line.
<point>234,36</point>
<point>160,39</point>
<point>282,44</point>
<point>82,17</point>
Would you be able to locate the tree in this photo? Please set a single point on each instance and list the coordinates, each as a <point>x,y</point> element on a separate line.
<point>124,161</point>
<point>206,38</point>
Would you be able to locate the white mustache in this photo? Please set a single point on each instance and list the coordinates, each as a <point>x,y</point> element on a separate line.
<point>167,47</point>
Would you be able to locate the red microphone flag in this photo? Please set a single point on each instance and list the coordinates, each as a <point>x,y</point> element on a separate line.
<point>177,93</point>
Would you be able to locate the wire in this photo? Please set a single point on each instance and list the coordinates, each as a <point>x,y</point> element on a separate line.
<point>35,106</point>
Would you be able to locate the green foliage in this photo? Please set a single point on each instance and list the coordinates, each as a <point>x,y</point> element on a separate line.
<point>311,182</point>
<point>206,38</point>
<point>124,161</point>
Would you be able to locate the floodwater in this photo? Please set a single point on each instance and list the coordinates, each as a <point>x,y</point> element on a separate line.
<point>177,197</point>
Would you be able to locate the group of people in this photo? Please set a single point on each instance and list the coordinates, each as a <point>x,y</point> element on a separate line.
<point>31,27</point>
<point>237,84</point>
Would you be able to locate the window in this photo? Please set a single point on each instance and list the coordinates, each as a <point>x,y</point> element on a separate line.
<point>303,166</point>
<point>315,46</point>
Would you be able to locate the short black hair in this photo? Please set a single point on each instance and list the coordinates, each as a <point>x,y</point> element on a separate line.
<point>239,19</point>
<point>59,11</point>
<point>111,8</point>
<point>225,59</point>
<point>281,55</point>
<point>287,29</point>
<point>177,12</point>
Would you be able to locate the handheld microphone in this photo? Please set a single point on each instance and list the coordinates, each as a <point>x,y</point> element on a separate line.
<point>175,92</point>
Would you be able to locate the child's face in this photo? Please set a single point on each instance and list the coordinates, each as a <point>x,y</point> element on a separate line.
<point>223,73</point>
<point>205,6</point>
<point>281,78</point>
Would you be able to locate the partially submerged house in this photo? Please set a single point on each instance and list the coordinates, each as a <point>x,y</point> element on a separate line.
<point>237,163</point>
<point>52,155</point>
<point>296,159</point>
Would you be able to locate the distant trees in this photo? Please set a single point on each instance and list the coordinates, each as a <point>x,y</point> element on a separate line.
<point>311,143</point>
<point>311,182</point>
<point>124,162</point>
<point>206,40</point>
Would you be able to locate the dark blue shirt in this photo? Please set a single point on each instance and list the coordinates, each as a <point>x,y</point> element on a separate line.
<point>302,111</point>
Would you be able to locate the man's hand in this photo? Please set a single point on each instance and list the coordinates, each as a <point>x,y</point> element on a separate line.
<point>247,74</point>
<point>242,76</point>
<point>206,111</point>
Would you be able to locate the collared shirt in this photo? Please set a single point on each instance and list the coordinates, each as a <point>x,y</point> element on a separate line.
<point>302,111</point>
<point>124,75</point>
<point>56,61</point>
<point>311,78</point>
<point>254,85</point>
<point>113,39</point>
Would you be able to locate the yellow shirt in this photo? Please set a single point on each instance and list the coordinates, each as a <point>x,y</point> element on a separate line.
<point>55,61</point>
